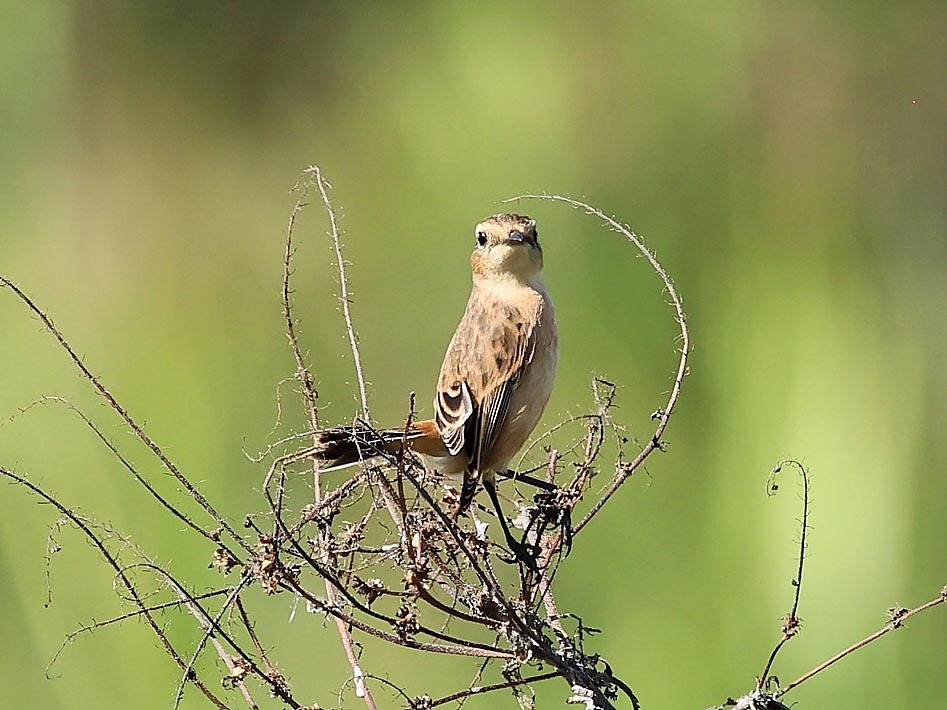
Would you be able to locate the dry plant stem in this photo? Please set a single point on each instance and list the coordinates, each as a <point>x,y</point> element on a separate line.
<point>542,437</point>
<point>896,622</point>
<point>455,646</point>
<point>376,479</point>
<point>53,399</point>
<point>272,446</point>
<point>123,617</point>
<point>388,495</point>
<point>213,629</point>
<point>542,589</point>
<point>338,493</point>
<point>251,632</point>
<point>383,681</point>
<point>52,547</point>
<point>459,648</point>
<point>323,185</point>
<point>791,622</point>
<point>549,545</point>
<point>327,574</point>
<point>361,687</point>
<point>304,375</point>
<point>483,572</point>
<point>476,680</point>
<point>399,468</point>
<point>209,624</point>
<point>594,438</point>
<point>121,575</point>
<point>662,415</point>
<point>480,690</point>
<point>450,611</point>
<point>192,490</point>
<point>190,602</point>
<point>552,614</point>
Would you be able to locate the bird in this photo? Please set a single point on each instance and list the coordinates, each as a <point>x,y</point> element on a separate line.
<point>495,380</point>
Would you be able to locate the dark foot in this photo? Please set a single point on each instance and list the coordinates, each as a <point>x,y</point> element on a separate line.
<point>523,554</point>
<point>555,511</point>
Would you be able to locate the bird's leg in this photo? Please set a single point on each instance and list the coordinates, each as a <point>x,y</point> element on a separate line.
<point>565,525</point>
<point>521,550</point>
<point>534,482</point>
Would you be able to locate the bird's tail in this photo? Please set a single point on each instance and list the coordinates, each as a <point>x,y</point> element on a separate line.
<point>344,446</point>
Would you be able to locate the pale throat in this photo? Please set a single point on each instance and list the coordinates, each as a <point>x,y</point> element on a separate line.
<point>509,282</point>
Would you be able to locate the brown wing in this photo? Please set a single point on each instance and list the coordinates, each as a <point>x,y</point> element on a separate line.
<point>485,358</point>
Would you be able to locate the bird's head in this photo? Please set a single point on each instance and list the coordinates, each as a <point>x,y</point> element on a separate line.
<point>507,245</point>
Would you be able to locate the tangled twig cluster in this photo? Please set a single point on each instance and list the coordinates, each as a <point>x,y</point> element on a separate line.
<point>396,566</point>
<point>375,551</point>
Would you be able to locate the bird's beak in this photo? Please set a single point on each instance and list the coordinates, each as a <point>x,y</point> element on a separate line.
<point>515,238</point>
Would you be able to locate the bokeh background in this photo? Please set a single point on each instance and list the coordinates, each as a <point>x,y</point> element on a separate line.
<point>786,160</point>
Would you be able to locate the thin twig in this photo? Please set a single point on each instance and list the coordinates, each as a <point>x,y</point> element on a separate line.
<point>251,632</point>
<point>209,624</point>
<point>278,420</point>
<point>88,628</point>
<point>506,685</point>
<point>192,489</point>
<point>121,575</point>
<point>303,372</point>
<point>240,664</point>
<point>898,617</point>
<point>323,185</point>
<point>459,648</point>
<point>791,622</point>
<point>304,375</point>
<point>334,610</point>
<point>211,535</point>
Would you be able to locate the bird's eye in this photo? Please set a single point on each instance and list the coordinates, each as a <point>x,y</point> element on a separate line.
<point>536,235</point>
<point>481,238</point>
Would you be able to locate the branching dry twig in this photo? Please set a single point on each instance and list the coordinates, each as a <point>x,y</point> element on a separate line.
<point>767,694</point>
<point>90,628</point>
<point>392,562</point>
<point>898,616</point>
<point>99,544</point>
<point>100,388</point>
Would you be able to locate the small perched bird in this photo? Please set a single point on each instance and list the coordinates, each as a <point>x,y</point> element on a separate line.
<point>496,378</point>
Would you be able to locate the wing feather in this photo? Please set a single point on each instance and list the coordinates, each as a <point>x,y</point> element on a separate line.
<point>453,406</point>
<point>488,353</point>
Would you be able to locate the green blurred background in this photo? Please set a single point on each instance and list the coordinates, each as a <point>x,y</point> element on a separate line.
<point>786,160</point>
